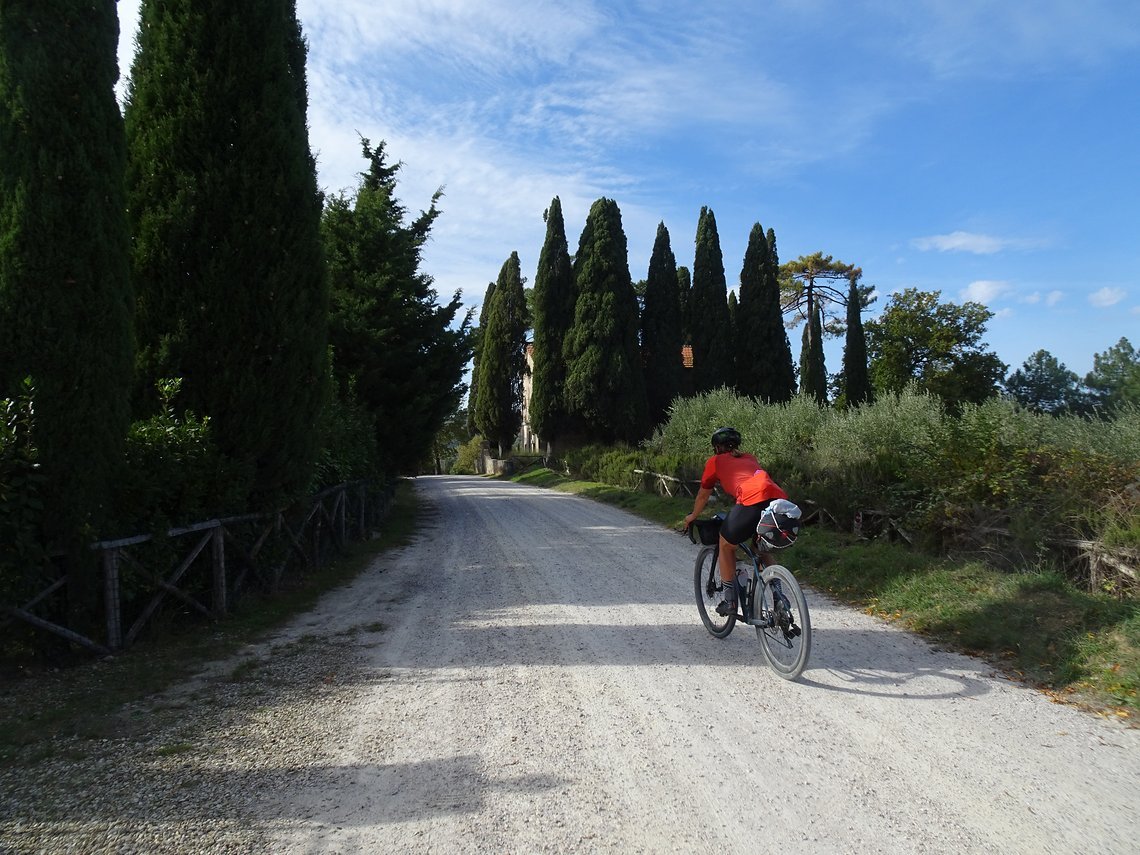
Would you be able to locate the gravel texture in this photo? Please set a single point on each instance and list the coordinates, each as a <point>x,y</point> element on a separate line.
<point>532,676</point>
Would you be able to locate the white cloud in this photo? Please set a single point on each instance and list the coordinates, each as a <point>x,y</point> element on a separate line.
<point>984,290</point>
<point>1003,314</point>
<point>956,38</point>
<point>1106,297</point>
<point>977,244</point>
<point>1053,298</point>
<point>1032,299</point>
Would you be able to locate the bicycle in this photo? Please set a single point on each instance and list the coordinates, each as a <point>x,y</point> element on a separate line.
<point>768,597</point>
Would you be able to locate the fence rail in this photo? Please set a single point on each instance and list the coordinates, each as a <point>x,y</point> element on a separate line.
<point>306,535</point>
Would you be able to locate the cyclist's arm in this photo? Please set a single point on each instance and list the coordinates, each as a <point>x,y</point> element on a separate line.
<point>699,503</point>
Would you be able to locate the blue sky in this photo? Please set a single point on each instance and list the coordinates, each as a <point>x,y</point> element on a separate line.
<point>986,150</point>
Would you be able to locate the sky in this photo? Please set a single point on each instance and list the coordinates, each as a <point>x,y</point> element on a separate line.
<point>989,151</point>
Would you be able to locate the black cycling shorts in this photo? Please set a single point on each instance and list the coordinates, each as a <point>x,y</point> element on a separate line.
<point>740,524</point>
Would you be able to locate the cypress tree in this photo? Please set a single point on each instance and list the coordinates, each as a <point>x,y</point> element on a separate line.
<point>763,354</point>
<point>605,387</point>
<point>783,386</point>
<point>856,379</point>
<point>502,359</point>
<point>813,371</point>
<point>401,349</point>
<point>708,310</point>
<point>65,301</point>
<point>685,288</point>
<point>476,351</point>
<point>226,221</point>
<point>553,315</point>
<point>661,329</point>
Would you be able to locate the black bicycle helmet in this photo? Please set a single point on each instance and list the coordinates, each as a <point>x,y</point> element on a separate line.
<point>726,437</point>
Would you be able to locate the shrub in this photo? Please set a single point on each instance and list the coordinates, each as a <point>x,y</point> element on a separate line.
<point>992,476</point>
<point>467,457</point>
<point>173,473</point>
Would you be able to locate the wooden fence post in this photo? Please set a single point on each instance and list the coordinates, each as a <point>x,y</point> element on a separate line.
<point>218,549</point>
<point>112,558</point>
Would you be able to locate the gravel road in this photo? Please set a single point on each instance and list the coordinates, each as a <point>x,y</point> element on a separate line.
<point>531,675</point>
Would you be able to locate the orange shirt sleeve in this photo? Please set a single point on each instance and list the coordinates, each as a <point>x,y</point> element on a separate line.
<point>709,479</point>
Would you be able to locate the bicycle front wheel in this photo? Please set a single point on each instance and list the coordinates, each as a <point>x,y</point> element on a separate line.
<point>710,591</point>
<point>784,629</point>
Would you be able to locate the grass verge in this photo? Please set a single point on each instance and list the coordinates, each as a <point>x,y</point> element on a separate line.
<point>1079,647</point>
<point>81,700</point>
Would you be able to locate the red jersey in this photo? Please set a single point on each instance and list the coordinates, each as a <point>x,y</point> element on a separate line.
<point>742,478</point>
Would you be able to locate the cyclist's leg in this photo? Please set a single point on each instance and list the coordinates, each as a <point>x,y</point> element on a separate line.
<point>727,561</point>
<point>739,526</point>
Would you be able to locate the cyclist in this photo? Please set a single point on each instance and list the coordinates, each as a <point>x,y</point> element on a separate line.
<point>741,477</point>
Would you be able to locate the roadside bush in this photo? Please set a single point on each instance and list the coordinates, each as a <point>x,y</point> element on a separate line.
<point>467,456</point>
<point>173,473</point>
<point>994,478</point>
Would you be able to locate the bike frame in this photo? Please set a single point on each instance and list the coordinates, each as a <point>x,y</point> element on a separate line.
<point>747,598</point>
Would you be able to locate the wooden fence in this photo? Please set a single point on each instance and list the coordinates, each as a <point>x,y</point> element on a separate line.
<point>220,559</point>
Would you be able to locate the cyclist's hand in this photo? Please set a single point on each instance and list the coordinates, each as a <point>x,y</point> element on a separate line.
<point>689,521</point>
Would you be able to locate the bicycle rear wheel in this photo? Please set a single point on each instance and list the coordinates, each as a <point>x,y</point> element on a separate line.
<point>785,628</point>
<point>709,591</point>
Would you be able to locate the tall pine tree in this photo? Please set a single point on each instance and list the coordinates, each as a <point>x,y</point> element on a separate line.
<point>553,315</point>
<point>502,359</point>
<point>65,300</point>
<point>662,329</point>
<point>763,354</point>
<point>605,387</point>
<point>403,351</point>
<point>232,293</point>
<point>708,310</point>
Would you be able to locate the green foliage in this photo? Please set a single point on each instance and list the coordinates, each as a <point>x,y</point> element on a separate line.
<point>399,349</point>
<point>502,359</point>
<point>174,472</point>
<point>1084,644</point>
<point>348,439</point>
<point>810,281</point>
<point>225,215</point>
<point>950,477</point>
<point>616,465</point>
<point>1115,378</point>
<point>856,377</point>
<point>476,351</point>
<point>65,300</point>
<point>450,438</point>
<point>685,287</point>
<point>553,315</point>
<point>764,367</point>
<point>813,370</point>
<point>605,386</point>
<point>467,457</point>
<point>938,345</point>
<point>708,309</point>
<point>1046,386</point>
<point>23,557</point>
<point>662,329</point>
